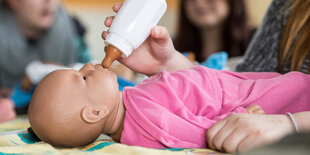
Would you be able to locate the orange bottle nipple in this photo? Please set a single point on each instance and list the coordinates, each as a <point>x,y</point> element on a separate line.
<point>112,53</point>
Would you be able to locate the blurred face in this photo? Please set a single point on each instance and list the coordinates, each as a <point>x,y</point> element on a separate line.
<point>207,13</point>
<point>38,14</point>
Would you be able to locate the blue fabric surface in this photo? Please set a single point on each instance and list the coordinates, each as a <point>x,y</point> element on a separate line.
<point>216,61</point>
<point>124,83</point>
<point>21,98</point>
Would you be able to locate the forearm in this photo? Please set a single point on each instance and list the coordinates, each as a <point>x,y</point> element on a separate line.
<point>178,62</point>
<point>302,120</point>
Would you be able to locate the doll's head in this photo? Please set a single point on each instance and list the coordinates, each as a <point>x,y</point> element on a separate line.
<point>72,108</point>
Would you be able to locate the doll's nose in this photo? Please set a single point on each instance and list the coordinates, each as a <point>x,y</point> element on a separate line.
<point>87,67</point>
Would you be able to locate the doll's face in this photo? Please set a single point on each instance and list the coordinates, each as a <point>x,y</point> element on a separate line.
<point>95,82</point>
<point>72,108</point>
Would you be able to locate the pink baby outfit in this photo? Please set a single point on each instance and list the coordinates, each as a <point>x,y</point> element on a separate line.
<point>176,109</point>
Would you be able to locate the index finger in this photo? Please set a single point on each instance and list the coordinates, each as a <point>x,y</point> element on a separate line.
<point>212,132</point>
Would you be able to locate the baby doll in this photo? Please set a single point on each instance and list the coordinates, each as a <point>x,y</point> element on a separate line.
<point>72,108</point>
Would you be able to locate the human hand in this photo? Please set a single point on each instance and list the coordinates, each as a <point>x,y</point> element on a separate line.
<point>240,132</point>
<point>26,84</point>
<point>155,54</point>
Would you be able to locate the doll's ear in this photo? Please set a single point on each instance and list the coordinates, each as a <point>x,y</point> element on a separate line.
<point>92,114</point>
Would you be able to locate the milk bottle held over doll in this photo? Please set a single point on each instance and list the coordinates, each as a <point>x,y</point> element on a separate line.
<point>131,26</point>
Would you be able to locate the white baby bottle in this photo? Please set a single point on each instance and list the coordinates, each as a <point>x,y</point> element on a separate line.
<point>131,26</point>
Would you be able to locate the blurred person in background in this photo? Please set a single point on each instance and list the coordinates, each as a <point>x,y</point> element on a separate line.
<point>282,43</point>
<point>206,27</point>
<point>35,30</point>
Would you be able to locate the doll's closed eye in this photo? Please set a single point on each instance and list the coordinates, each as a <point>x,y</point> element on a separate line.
<point>84,77</point>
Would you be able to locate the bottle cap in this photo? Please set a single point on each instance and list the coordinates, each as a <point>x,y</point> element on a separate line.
<point>112,53</point>
<point>119,42</point>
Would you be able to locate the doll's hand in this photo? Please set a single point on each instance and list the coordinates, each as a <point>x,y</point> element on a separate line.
<point>255,109</point>
<point>239,132</point>
<point>155,54</point>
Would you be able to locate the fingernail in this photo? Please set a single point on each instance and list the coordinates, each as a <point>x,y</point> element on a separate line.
<point>156,32</point>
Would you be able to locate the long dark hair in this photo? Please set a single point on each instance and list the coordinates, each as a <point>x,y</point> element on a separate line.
<point>236,32</point>
<point>295,40</point>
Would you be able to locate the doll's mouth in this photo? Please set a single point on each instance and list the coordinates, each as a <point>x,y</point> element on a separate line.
<point>100,67</point>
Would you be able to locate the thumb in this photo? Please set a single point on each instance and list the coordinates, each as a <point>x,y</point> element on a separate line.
<point>160,33</point>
